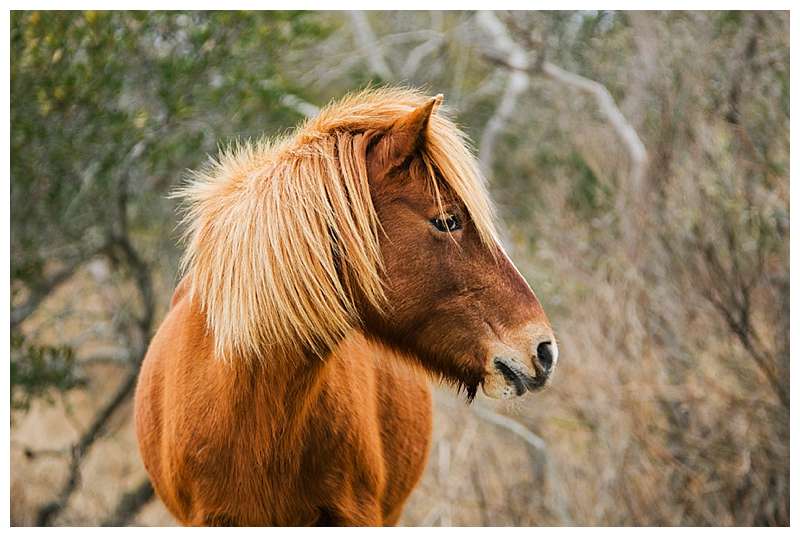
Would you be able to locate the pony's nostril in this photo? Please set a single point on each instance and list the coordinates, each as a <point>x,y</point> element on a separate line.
<point>544,354</point>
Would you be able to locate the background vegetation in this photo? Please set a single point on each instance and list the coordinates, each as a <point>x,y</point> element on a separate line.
<point>640,162</point>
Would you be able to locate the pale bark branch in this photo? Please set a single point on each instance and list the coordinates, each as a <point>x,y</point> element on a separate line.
<point>362,30</point>
<point>301,106</point>
<point>608,107</point>
<point>542,469</point>
<point>507,53</point>
<point>419,53</point>
<point>505,422</point>
<point>517,83</point>
<point>513,426</point>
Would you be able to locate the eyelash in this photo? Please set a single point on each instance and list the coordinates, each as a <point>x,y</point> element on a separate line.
<point>448,224</point>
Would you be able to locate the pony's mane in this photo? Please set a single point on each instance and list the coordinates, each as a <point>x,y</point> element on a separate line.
<point>269,225</point>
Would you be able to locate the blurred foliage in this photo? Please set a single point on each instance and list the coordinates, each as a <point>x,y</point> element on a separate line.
<point>39,371</point>
<point>112,107</point>
<point>104,98</point>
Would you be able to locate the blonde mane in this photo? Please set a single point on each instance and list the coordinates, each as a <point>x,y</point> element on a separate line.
<point>269,224</point>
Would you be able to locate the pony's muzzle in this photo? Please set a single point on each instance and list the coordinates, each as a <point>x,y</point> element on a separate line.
<point>524,363</point>
<point>512,372</point>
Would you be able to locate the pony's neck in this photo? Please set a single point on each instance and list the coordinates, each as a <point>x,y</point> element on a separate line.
<point>277,386</point>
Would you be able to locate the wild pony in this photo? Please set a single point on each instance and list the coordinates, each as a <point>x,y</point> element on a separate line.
<point>326,276</point>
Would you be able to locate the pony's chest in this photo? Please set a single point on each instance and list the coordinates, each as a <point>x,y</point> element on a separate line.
<point>294,481</point>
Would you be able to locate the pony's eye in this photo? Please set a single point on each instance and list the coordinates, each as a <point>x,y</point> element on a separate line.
<point>448,223</point>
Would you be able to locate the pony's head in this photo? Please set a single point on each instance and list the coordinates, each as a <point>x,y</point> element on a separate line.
<point>372,216</point>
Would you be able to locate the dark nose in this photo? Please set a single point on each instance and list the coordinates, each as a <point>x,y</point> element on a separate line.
<point>544,356</point>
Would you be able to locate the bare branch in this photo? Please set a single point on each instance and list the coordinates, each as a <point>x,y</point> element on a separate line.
<point>541,467</point>
<point>505,422</point>
<point>516,85</point>
<point>625,131</point>
<point>419,53</point>
<point>119,250</point>
<point>144,285</point>
<point>510,55</point>
<point>130,504</point>
<point>514,426</point>
<point>43,290</point>
<point>501,38</point>
<point>299,105</point>
<point>369,43</point>
<point>433,515</point>
<point>79,451</point>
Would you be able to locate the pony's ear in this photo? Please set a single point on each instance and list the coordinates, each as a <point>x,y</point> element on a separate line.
<point>399,141</point>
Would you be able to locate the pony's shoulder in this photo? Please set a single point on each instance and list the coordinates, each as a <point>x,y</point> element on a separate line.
<point>180,291</point>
